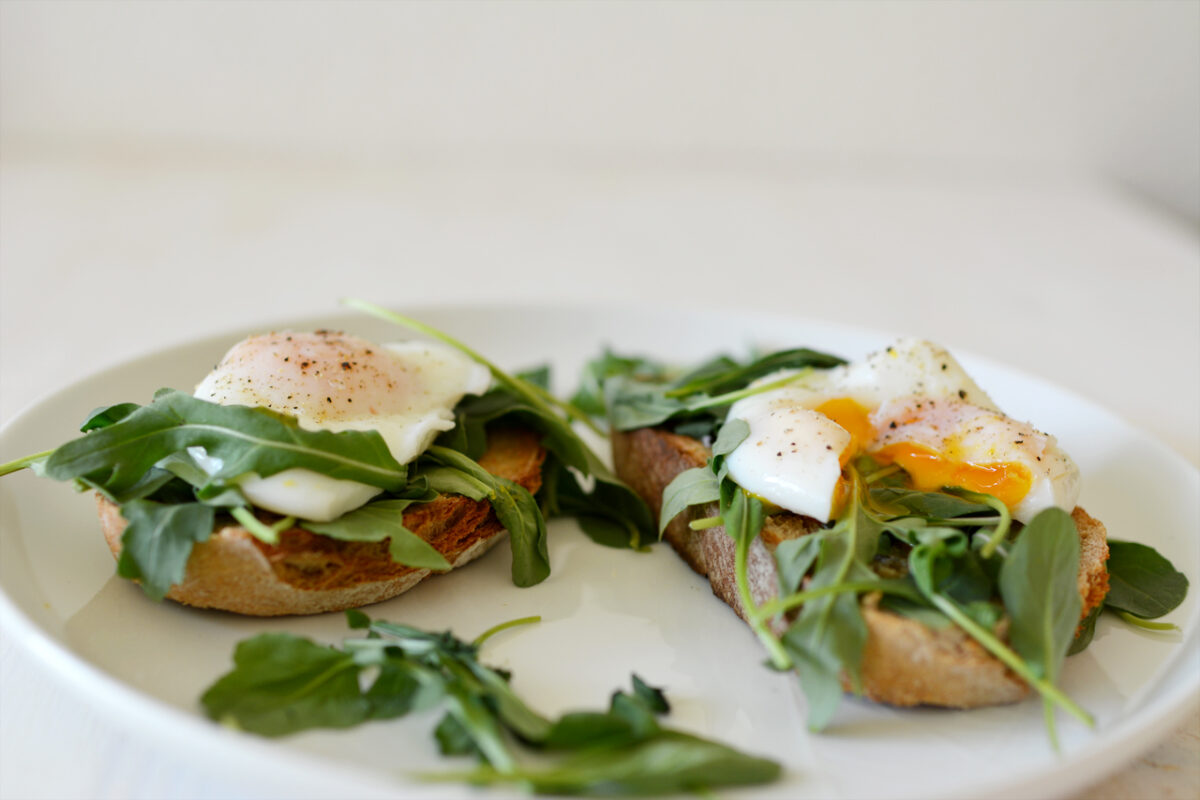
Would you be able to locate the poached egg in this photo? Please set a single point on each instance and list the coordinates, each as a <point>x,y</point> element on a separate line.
<point>332,381</point>
<point>912,405</point>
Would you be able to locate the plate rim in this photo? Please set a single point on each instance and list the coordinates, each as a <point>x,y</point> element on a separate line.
<point>247,751</point>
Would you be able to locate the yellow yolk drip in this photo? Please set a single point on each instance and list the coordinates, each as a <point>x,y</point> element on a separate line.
<point>930,471</point>
<point>854,419</point>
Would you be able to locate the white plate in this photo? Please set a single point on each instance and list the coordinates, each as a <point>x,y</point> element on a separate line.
<point>606,613</point>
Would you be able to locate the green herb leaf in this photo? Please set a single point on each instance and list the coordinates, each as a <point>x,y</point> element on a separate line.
<point>107,415</point>
<point>158,541</point>
<point>665,764</point>
<point>1037,583</point>
<point>115,457</point>
<point>794,558</point>
<point>634,404</point>
<point>449,480</point>
<point>517,511</point>
<point>610,514</point>
<point>383,519</point>
<point>691,487</point>
<point>1142,582</point>
<point>283,683</point>
<point>1085,632</point>
<point>725,375</point>
<point>931,505</point>
<point>829,635</point>
<point>590,395</point>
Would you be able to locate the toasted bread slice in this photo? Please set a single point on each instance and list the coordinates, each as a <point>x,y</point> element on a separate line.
<point>905,663</point>
<point>306,573</point>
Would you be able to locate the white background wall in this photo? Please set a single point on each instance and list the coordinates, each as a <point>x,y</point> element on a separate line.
<point>1106,89</point>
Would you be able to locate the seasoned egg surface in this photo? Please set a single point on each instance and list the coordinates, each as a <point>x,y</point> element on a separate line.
<point>911,404</point>
<point>332,381</point>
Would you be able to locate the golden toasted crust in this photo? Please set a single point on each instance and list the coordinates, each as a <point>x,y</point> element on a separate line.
<point>905,663</point>
<point>306,573</point>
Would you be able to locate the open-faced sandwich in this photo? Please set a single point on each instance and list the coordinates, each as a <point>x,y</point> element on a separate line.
<point>317,471</point>
<point>882,526</point>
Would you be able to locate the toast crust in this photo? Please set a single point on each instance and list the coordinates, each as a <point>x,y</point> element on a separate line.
<point>306,573</point>
<point>905,663</point>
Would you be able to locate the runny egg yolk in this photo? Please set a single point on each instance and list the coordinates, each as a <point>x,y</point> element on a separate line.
<point>854,419</point>
<point>929,469</point>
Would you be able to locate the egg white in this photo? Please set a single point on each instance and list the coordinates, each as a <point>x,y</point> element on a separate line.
<point>915,393</point>
<point>331,381</point>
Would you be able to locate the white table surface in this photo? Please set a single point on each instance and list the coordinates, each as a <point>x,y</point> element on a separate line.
<point>107,255</point>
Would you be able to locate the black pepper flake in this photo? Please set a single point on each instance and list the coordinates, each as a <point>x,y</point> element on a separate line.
<point>892,424</point>
<point>328,399</point>
<point>1018,441</point>
<point>962,394</point>
<point>345,365</point>
<point>778,452</point>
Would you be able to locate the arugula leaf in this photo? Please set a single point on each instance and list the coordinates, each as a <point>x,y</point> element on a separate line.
<point>158,541</point>
<point>1037,583</point>
<point>379,520</point>
<point>589,397</point>
<point>725,375</point>
<point>454,738</point>
<point>610,514</point>
<point>635,404</point>
<point>107,415</point>
<point>531,404</point>
<point>668,763</point>
<point>829,635</point>
<point>282,683</point>
<point>1141,582</point>
<point>794,558</point>
<point>640,394</point>
<point>691,487</point>
<point>931,505</point>
<point>517,511</point>
<point>115,457</point>
<point>1086,631</point>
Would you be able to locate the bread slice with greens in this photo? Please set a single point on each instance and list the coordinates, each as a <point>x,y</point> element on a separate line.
<point>904,661</point>
<point>303,572</point>
<point>944,562</point>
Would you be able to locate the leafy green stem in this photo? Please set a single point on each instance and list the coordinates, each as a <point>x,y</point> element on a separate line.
<point>729,398</point>
<point>257,528</point>
<point>781,605</point>
<point>704,523</point>
<point>531,393</point>
<point>1002,527</point>
<point>1149,625</point>
<point>512,623</point>
<point>573,411</point>
<point>993,645</point>
<point>851,523</point>
<point>23,463</point>
<point>775,649</point>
